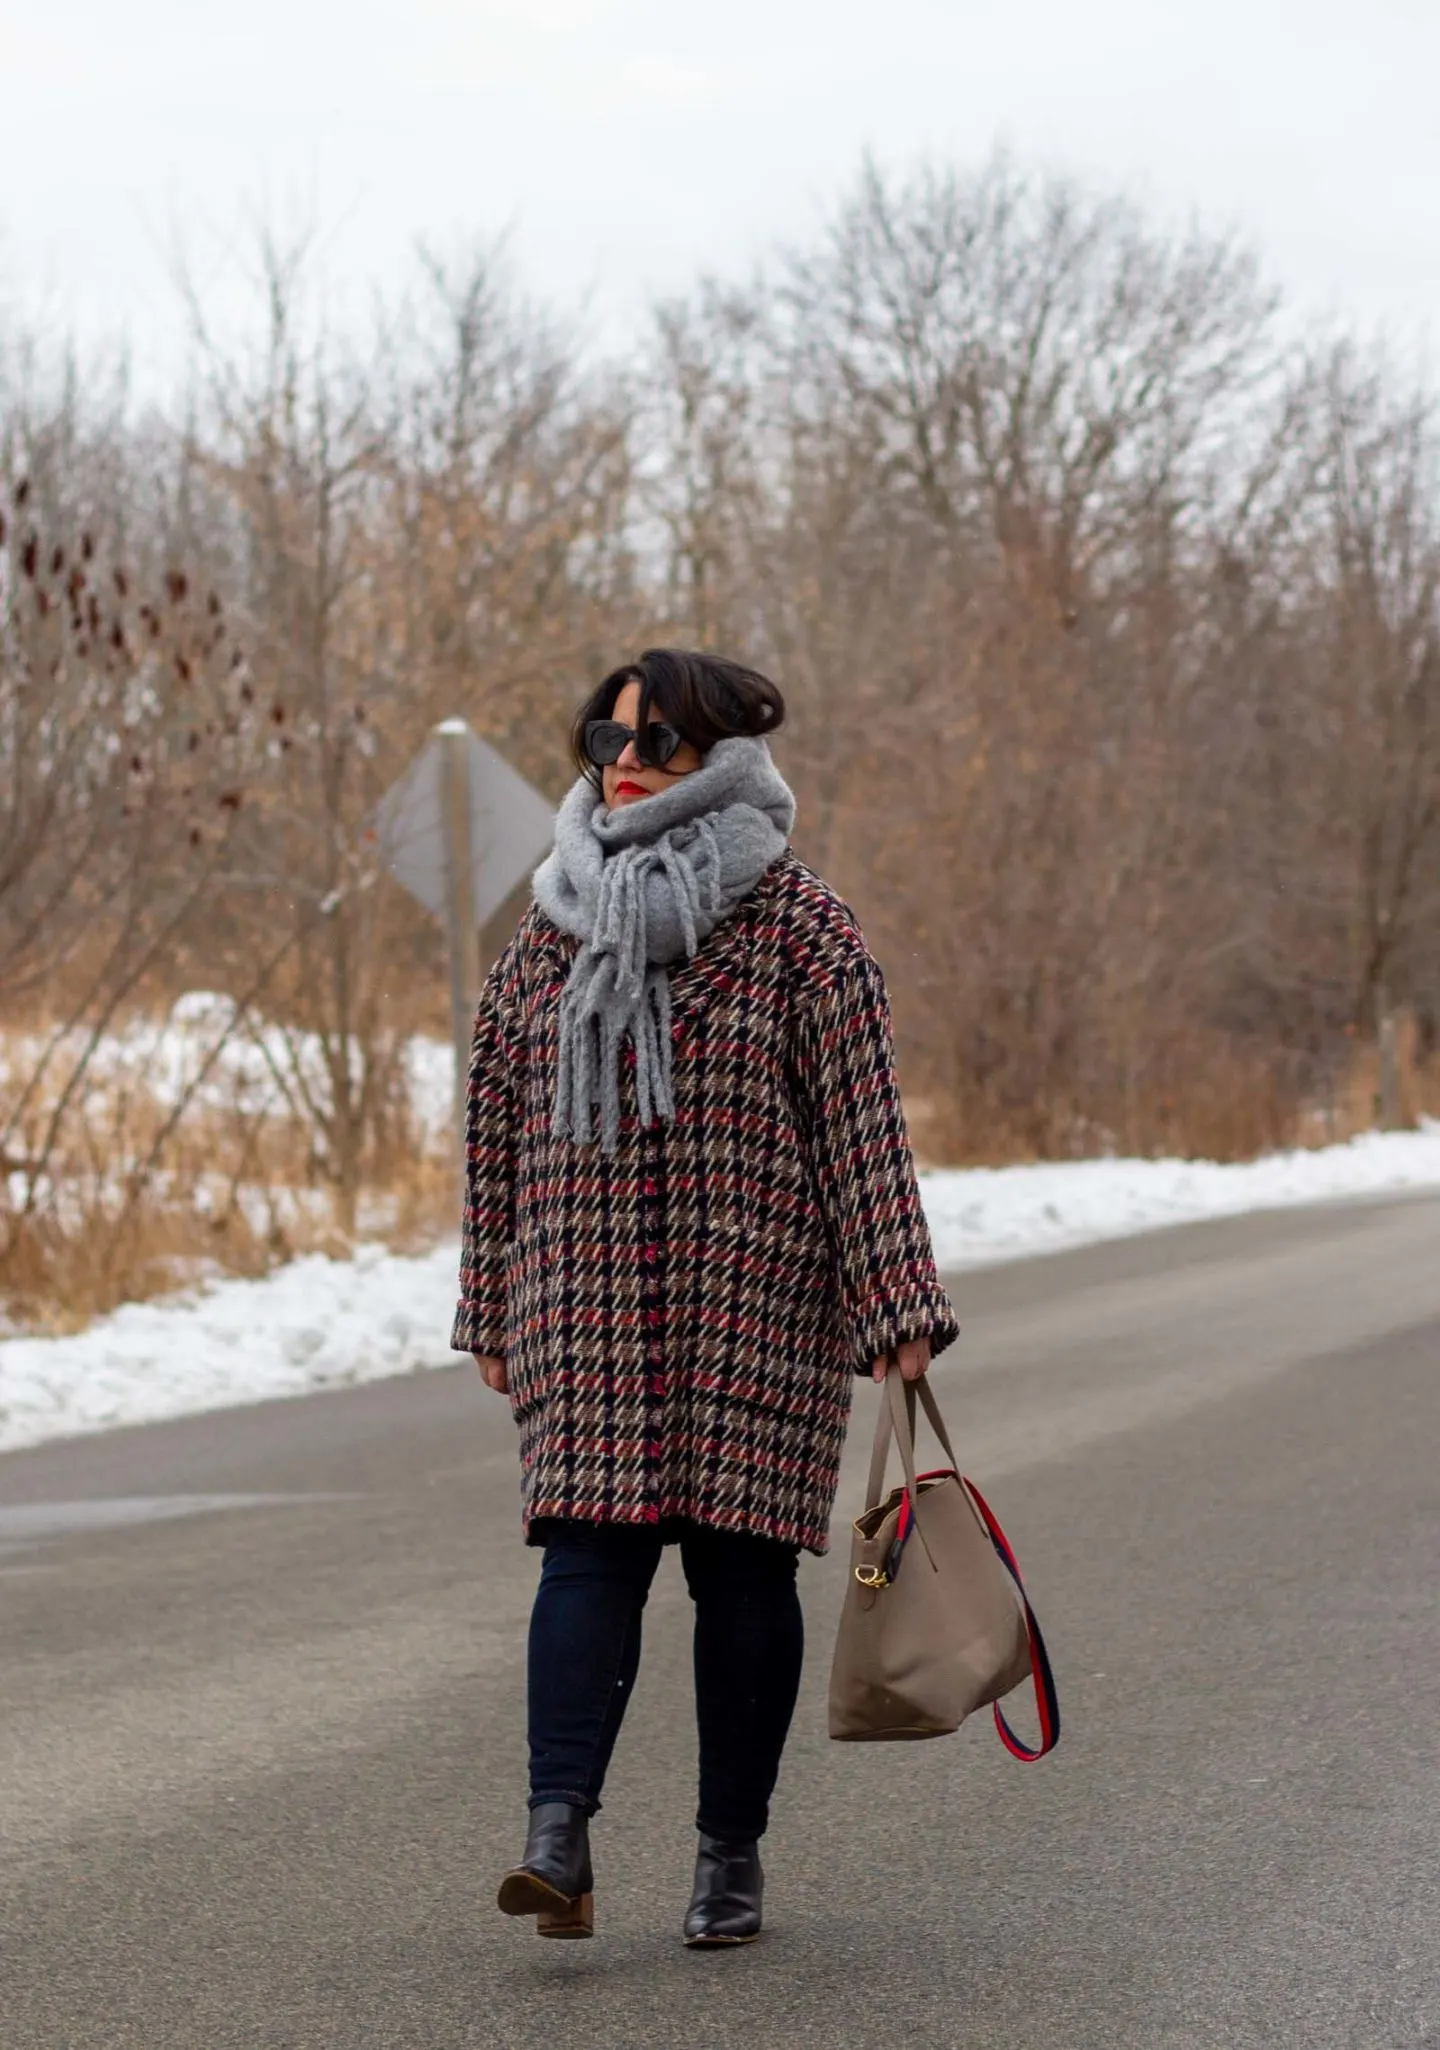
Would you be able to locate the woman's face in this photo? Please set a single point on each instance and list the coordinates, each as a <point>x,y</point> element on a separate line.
<point>630,780</point>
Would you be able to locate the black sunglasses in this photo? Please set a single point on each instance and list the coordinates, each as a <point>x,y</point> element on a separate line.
<point>606,740</point>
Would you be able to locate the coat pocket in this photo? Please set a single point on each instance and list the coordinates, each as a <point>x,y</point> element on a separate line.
<point>528,1353</point>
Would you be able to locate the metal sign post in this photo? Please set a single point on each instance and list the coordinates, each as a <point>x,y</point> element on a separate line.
<point>459,830</point>
<point>453,739</point>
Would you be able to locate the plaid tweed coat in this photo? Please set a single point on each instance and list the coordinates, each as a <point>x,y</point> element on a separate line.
<point>682,1320</point>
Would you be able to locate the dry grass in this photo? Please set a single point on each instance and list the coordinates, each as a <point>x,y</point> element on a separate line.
<point>1203,1099</point>
<point>109,1197</point>
<point>1354,1104</point>
<point>54,1279</point>
<point>1214,1102</point>
<point>59,1277</point>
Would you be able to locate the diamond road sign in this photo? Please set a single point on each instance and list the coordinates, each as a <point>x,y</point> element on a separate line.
<point>511,826</point>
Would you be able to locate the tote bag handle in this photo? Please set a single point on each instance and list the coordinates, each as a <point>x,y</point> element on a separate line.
<point>897,1417</point>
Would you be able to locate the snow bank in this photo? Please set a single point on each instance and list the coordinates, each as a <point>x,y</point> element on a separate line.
<point>321,1323</point>
<point>982,1215</point>
<point>315,1323</point>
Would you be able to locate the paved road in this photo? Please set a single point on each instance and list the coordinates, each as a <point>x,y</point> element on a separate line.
<point>260,1709</point>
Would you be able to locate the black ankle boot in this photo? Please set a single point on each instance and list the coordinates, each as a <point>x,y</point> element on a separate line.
<point>725,1906</point>
<point>553,1880</point>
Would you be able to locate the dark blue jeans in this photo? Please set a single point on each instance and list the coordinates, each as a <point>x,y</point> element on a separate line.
<point>585,1653</point>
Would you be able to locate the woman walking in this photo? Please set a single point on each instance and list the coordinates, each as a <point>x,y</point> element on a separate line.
<point>691,1220</point>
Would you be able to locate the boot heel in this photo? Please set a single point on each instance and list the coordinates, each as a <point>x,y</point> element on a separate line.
<point>576,1918</point>
<point>554,1881</point>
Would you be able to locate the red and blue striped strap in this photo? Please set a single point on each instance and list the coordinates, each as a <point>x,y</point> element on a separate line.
<point>1047,1701</point>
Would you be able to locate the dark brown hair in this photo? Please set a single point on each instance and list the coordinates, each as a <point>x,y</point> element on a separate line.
<point>704,697</point>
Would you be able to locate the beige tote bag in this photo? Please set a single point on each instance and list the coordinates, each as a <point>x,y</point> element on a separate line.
<point>935,1622</point>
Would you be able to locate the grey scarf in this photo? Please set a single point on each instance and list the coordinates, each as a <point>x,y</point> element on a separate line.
<point>641,887</point>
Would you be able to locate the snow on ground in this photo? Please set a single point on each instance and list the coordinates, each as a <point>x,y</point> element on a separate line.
<point>979,1216</point>
<point>315,1323</point>
<point>321,1323</point>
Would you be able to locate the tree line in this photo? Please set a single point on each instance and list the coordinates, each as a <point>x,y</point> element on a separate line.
<point>1104,599</point>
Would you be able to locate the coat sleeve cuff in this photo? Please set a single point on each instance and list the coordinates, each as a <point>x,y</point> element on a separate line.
<point>478,1327</point>
<point>884,1322</point>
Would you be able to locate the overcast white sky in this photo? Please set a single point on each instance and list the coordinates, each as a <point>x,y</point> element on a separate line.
<point>631,142</point>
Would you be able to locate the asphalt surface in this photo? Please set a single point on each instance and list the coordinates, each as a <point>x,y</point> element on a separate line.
<point>261,1750</point>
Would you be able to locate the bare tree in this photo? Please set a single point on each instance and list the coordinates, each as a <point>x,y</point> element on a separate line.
<point>424,527</point>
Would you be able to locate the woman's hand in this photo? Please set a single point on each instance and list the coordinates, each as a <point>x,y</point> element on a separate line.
<point>492,1372</point>
<point>912,1360</point>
